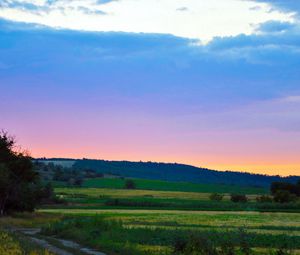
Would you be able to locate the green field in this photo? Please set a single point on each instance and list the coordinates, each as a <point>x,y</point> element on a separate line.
<point>119,183</point>
<point>159,218</point>
<point>154,232</point>
<point>158,229</point>
<point>100,198</point>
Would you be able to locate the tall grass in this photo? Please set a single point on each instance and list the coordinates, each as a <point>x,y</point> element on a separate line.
<point>13,244</point>
<point>114,237</point>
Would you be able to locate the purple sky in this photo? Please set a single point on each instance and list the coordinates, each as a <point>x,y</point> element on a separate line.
<point>226,102</point>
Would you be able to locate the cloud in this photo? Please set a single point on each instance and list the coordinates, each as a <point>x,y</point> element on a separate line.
<point>275,27</point>
<point>143,16</point>
<point>284,5</point>
<point>230,71</point>
<point>182,9</point>
<point>105,1</point>
<point>255,8</point>
<point>24,6</point>
<point>237,95</point>
<point>90,11</point>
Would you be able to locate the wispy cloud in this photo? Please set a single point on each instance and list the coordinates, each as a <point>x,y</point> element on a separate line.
<point>292,6</point>
<point>182,9</point>
<point>164,16</point>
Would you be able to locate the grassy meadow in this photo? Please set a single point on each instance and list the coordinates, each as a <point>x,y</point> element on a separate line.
<point>157,232</point>
<point>112,196</point>
<point>161,218</point>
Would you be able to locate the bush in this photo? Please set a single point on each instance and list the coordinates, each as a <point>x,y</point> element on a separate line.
<point>195,244</point>
<point>280,186</point>
<point>130,184</point>
<point>216,197</point>
<point>264,199</point>
<point>237,198</point>
<point>283,196</point>
<point>201,244</point>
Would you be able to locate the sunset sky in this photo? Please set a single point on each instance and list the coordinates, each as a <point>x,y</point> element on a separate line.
<point>209,83</point>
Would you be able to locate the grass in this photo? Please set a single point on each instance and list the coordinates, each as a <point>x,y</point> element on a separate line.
<point>14,244</point>
<point>128,233</point>
<point>160,216</point>
<point>154,232</point>
<point>99,198</point>
<point>118,183</point>
<point>28,220</point>
<point>195,218</point>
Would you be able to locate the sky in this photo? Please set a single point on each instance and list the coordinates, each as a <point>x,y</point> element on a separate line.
<point>212,83</point>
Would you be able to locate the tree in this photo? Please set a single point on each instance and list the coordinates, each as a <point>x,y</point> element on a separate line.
<point>290,187</point>
<point>283,196</point>
<point>264,199</point>
<point>18,181</point>
<point>237,198</point>
<point>216,197</point>
<point>130,184</point>
<point>78,181</point>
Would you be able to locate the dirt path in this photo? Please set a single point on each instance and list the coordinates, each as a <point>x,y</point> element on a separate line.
<point>32,234</point>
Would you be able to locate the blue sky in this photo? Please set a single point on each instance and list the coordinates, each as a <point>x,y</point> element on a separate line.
<point>220,90</point>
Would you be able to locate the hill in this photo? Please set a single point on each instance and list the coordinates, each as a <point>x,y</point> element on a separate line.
<point>171,172</point>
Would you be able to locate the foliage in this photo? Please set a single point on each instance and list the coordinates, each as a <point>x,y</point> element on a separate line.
<point>264,199</point>
<point>216,197</point>
<point>130,184</point>
<point>285,186</point>
<point>122,237</point>
<point>12,244</point>
<point>18,182</point>
<point>201,244</point>
<point>195,244</point>
<point>238,198</point>
<point>51,172</point>
<point>284,196</point>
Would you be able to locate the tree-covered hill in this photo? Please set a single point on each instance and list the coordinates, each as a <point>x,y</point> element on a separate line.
<point>173,172</point>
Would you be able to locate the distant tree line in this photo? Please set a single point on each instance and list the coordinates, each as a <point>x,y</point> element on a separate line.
<point>69,175</point>
<point>282,192</point>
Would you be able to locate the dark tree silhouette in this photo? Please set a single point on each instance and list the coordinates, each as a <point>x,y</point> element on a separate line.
<point>284,196</point>
<point>289,187</point>
<point>18,181</point>
<point>130,184</point>
<point>238,198</point>
<point>216,197</point>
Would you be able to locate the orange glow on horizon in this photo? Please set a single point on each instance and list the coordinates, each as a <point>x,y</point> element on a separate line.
<point>221,164</point>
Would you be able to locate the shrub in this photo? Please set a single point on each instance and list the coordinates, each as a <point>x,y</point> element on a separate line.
<point>244,242</point>
<point>216,197</point>
<point>283,196</point>
<point>238,198</point>
<point>264,199</point>
<point>197,244</point>
<point>130,184</point>
<point>291,188</point>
